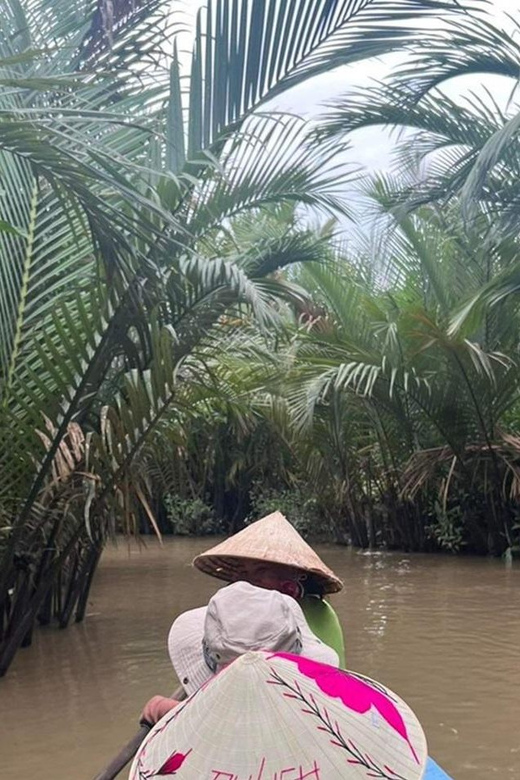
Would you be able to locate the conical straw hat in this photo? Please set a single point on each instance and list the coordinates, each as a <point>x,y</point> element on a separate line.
<point>272,539</point>
<point>275,715</point>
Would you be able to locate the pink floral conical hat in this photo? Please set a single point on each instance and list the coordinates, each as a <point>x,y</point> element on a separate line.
<point>275,716</point>
<point>271,540</point>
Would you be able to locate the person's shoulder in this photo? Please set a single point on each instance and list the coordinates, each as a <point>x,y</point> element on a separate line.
<point>309,601</point>
<point>319,608</point>
<point>316,602</point>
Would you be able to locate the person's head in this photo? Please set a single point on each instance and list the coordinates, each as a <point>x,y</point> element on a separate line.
<point>240,618</point>
<point>273,576</point>
<point>271,554</point>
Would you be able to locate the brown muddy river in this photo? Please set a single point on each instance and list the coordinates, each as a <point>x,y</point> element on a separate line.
<point>442,632</point>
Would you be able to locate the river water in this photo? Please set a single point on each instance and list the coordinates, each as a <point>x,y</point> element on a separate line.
<point>442,632</point>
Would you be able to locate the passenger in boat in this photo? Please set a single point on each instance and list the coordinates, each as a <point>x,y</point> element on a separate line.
<point>238,619</point>
<point>271,554</point>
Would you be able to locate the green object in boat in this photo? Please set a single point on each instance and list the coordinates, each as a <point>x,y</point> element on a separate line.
<point>324,623</point>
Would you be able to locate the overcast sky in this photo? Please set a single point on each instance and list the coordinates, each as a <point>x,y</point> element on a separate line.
<point>372,147</point>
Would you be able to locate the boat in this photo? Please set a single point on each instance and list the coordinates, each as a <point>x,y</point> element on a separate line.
<point>434,772</point>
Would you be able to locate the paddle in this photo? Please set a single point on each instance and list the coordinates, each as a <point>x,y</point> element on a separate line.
<point>130,749</point>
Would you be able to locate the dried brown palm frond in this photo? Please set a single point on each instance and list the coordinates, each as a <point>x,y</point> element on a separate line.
<point>440,467</point>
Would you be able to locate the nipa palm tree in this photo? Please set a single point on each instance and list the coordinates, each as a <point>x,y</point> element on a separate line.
<point>426,392</point>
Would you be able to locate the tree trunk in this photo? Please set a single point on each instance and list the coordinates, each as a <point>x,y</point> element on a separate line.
<point>83,598</point>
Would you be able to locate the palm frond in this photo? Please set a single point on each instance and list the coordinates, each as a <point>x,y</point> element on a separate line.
<point>271,161</point>
<point>248,51</point>
<point>477,45</point>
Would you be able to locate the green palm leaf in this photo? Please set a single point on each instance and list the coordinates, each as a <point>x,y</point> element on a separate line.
<point>247,51</point>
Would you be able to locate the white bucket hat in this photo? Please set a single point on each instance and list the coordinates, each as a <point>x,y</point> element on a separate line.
<point>239,618</point>
<point>276,715</point>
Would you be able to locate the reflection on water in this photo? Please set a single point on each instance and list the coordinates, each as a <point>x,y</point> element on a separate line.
<point>442,632</point>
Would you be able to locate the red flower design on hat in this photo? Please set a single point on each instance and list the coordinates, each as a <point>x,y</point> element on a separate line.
<point>355,693</point>
<point>175,762</point>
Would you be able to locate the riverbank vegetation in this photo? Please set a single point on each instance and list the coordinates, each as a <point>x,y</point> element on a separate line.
<point>187,340</point>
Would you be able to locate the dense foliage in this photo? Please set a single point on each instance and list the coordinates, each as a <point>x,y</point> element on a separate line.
<point>386,414</point>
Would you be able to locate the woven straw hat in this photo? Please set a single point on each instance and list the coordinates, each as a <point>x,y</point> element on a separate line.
<point>274,715</point>
<point>272,539</point>
<point>237,619</point>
